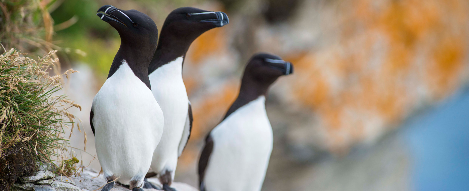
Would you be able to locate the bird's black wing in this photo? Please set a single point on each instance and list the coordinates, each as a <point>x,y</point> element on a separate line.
<point>91,119</point>
<point>203,161</point>
<point>186,134</point>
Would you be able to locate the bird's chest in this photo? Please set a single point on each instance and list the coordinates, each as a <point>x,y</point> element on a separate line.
<point>253,132</point>
<point>122,99</point>
<point>247,129</point>
<point>169,90</point>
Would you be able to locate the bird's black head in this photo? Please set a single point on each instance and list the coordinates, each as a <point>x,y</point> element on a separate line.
<point>139,36</point>
<point>135,28</point>
<point>261,71</point>
<point>185,24</point>
<point>266,68</point>
<point>180,29</point>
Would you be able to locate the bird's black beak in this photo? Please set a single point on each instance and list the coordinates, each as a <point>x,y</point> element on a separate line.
<point>284,66</point>
<point>219,19</point>
<point>114,16</point>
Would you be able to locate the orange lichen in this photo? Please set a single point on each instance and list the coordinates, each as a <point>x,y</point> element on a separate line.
<point>443,72</point>
<point>210,111</point>
<point>210,43</point>
<point>191,84</point>
<point>433,31</point>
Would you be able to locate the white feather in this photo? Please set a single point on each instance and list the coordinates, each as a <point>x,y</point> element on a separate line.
<point>128,123</point>
<point>242,147</point>
<point>169,90</point>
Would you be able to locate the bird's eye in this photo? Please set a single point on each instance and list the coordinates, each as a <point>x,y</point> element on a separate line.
<point>188,15</point>
<point>135,24</point>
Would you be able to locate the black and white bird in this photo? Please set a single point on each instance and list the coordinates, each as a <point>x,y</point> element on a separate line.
<point>237,151</point>
<point>180,29</point>
<point>126,120</point>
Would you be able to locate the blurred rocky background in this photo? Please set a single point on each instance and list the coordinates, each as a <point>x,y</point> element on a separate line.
<point>377,102</point>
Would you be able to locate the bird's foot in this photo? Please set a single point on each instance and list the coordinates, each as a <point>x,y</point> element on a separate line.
<point>137,189</point>
<point>168,188</point>
<point>148,185</point>
<point>108,186</point>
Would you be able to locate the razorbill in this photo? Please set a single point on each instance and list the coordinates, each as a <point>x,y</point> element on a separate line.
<point>180,29</point>
<point>237,151</point>
<point>125,117</point>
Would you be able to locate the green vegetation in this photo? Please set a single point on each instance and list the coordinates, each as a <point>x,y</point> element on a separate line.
<point>26,25</point>
<point>72,28</point>
<point>68,167</point>
<point>83,37</point>
<point>33,115</point>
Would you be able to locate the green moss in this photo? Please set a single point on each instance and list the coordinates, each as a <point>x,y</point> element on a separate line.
<point>68,167</point>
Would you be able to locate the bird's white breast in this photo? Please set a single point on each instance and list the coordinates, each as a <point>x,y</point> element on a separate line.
<point>128,123</point>
<point>169,90</point>
<point>242,147</point>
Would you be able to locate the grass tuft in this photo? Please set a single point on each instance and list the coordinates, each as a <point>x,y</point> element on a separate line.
<point>33,116</point>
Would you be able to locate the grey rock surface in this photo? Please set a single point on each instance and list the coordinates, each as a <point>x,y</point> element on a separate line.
<point>26,186</point>
<point>45,166</point>
<point>41,175</point>
<point>90,180</point>
<point>45,182</point>
<point>64,179</point>
<point>176,185</point>
<point>62,186</point>
<point>43,188</point>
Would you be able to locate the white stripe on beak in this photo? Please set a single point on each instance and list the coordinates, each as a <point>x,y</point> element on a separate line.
<point>202,13</point>
<point>125,15</point>
<point>107,9</point>
<point>221,22</point>
<point>274,61</point>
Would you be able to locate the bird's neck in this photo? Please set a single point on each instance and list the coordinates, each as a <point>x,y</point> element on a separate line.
<point>168,72</point>
<point>248,92</point>
<point>163,57</point>
<point>138,59</point>
<point>169,49</point>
